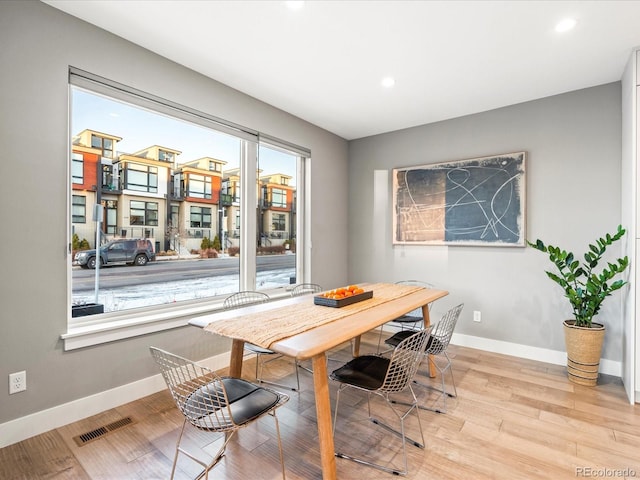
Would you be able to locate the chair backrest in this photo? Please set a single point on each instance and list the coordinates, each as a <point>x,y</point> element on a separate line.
<point>405,361</point>
<point>442,332</point>
<point>198,392</point>
<point>418,283</point>
<point>305,288</point>
<point>247,297</point>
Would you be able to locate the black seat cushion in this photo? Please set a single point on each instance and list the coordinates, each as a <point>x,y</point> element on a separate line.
<point>367,372</point>
<point>407,319</point>
<point>398,337</point>
<point>247,400</point>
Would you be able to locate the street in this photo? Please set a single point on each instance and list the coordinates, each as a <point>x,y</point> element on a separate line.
<point>162,271</point>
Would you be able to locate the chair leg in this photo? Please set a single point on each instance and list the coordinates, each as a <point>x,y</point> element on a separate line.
<point>443,392</point>
<point>275,419</point>
<point>400,433</point>
<point>304,367</point>
<point>216,458</point>
<point>453,382</point>
<point>207,466</point>
<point>259,378</point>
<point>380,338</point>
<point>175,457</point>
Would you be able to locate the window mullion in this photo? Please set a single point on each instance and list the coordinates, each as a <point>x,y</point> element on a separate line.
<point>248,203</point>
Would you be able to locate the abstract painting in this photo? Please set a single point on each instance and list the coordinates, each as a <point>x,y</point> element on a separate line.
<point>479,201</point>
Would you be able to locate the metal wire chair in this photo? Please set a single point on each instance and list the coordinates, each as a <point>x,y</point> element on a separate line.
<point>215,404</point>
<point>437,349</point>
<point>249,297</point>
<point>382,376</point>
<point>411,320</point>
<point>305,288</point>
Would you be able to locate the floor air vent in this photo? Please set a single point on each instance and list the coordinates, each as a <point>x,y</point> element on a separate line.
<point>100,432</point>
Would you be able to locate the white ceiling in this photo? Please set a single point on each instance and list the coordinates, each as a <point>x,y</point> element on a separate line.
<point>324,63</point>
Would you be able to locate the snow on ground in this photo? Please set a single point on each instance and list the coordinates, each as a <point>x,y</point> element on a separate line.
<point>116,299</point>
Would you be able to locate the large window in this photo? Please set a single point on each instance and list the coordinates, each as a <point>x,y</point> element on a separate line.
<point>77,168</point>
<point>111,217</point>
<point>278,198</point>
<point>199,186</point>
<point>104,144</point>
<point>278,221</point>
<point>79,209</point>
<point>147,195</point>
<point>143,213</point>
<point>141,178</point>
<point>200,217</point>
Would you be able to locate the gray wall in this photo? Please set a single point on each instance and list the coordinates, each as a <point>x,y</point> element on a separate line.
<point>38,45</point>
<point>573,145</point>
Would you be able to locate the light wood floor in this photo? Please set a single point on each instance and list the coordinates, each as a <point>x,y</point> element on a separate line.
<point>512,419</point>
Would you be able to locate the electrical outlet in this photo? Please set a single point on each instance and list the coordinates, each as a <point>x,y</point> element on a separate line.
<point>17,382</point>
<point>477,316</point>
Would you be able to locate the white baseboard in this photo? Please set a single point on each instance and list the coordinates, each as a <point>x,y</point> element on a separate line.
<point>608,367</point>
<point>25,427</point>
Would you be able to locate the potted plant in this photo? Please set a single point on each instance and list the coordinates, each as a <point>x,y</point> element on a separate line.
<point>586,289</point>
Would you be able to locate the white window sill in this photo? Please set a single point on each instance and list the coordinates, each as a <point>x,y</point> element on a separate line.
<point>118,326</point>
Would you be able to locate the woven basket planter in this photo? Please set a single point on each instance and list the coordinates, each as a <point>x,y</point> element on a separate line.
<point>584,346</point>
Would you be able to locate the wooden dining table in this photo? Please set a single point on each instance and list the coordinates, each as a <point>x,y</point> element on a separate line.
<point>296,327</point>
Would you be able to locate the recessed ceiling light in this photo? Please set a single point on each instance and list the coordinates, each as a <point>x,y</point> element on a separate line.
<point>566,25</point>
<point>295,5</point>
<point>388,82</point>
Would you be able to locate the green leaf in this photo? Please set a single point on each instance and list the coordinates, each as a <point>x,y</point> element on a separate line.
<point>583,285</point>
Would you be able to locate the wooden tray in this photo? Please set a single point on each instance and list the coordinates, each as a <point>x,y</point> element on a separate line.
<point>343,302</point>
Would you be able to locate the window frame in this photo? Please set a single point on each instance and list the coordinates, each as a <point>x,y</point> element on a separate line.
<point>201,215</point>
<point>199,179</point>
<point>75,204</point>
<point>281,193</point>
<point>77,166</point>
<point>148,171</point>
<point>93,330</point>
<point>146,218</point>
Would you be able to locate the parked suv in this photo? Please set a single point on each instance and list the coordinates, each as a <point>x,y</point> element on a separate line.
<point>120,251</point>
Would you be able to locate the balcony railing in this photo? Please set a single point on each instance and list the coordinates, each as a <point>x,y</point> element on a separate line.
<point>136,232</point>
<point>200,233</point>
<point>277,234</point>
<point>227,200</point>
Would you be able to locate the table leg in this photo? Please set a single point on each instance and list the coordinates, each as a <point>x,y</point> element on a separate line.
<point>323,413</point>
<point>427,322</point>
<point>235,362</point>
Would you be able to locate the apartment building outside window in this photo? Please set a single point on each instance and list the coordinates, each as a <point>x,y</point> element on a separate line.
<point>208,189</point>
